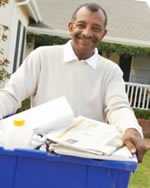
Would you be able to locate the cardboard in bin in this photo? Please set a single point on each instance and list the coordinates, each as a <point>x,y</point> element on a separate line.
<point>37,169</point>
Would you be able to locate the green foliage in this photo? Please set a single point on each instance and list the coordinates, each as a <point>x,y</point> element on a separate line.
<point>140,178</point>
<point>3,59</point>
<point>3,74</point>
<point>25,105</point>
<point>103,46</point>
<point>41,40</point>
<point>144,114</point>
<point>123,49</point>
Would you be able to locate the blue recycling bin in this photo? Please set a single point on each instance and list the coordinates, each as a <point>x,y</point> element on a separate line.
<point>37,169</point>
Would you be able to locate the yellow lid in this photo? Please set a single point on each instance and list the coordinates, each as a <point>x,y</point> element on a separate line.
<point>19,122</point>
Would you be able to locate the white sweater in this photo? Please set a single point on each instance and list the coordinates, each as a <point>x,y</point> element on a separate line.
<point>97,93</point>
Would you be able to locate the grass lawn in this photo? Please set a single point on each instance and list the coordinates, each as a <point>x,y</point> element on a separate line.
<point>141,178</point>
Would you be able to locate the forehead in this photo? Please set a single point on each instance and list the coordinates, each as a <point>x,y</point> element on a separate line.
<point>86,15</point>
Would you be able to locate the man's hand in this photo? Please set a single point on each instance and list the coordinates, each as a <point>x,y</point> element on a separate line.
<point>134,142</point>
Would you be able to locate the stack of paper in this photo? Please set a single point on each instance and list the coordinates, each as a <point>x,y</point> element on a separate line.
<point>91,139</point>
<point>79,136</point>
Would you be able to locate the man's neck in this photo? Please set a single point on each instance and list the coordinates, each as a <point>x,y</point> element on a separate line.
<point>82,55</point>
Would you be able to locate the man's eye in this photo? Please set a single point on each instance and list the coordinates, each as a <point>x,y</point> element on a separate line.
<point>97,29</point>
<point>80,26</point>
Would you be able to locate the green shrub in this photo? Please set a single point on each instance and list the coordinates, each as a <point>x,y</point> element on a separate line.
<point>25,105</point>
<point>144,114</point>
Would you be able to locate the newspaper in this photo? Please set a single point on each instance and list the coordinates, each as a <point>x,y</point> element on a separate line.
<point>91,139</point>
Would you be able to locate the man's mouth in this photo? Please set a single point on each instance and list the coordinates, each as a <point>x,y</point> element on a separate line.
<point>85,39</point>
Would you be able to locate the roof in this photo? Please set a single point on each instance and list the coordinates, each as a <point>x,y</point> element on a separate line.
<point>128,20</point>
<point>32,9</point>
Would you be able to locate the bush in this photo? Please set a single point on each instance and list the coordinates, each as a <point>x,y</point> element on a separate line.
<point>143,114</point>
<point>25,105</point>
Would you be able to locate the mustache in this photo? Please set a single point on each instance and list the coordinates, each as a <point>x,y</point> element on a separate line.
<point>80,35</point>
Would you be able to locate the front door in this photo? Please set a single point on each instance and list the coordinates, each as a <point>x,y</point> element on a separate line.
<point>125,65</point>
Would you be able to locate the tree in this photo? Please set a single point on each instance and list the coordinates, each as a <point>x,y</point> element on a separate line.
<point>3,59</point>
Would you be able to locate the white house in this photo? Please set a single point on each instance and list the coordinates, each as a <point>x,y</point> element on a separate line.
<point>15,16</point>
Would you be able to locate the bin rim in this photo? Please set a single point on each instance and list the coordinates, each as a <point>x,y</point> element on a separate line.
<point>38,155</point>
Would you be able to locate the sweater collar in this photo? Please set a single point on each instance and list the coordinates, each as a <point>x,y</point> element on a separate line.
<point>70,56</point>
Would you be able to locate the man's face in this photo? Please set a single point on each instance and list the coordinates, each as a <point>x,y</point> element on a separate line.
<point>86,31</point>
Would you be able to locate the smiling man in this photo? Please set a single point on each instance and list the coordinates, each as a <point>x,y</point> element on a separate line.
<point>87,28</point>
<point>92,84</point>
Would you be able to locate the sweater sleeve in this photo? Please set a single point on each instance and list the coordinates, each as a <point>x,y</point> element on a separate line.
<point>117,108</point>
<point>21,85</point>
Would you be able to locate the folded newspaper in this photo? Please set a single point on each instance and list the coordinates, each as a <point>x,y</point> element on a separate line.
<point>90,139</point>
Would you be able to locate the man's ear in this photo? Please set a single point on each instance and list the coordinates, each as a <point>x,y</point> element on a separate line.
<point>105,32</point>
<point>70,26</point>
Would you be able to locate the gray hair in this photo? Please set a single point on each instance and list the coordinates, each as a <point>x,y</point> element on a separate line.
<point>93,7</point>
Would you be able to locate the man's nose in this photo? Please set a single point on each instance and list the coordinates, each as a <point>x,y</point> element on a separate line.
<point>87,32</point>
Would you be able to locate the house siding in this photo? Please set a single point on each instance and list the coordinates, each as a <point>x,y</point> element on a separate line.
<point>140,70</point>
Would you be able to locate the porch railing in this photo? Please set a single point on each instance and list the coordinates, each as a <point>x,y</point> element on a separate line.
<point>139,95</point>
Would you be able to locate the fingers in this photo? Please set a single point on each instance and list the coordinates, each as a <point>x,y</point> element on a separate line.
<point>130,146</point>
<point>140,152</point>
<point>134,143</point>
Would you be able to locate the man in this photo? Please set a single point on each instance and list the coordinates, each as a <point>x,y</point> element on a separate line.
<point>92,84</point>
